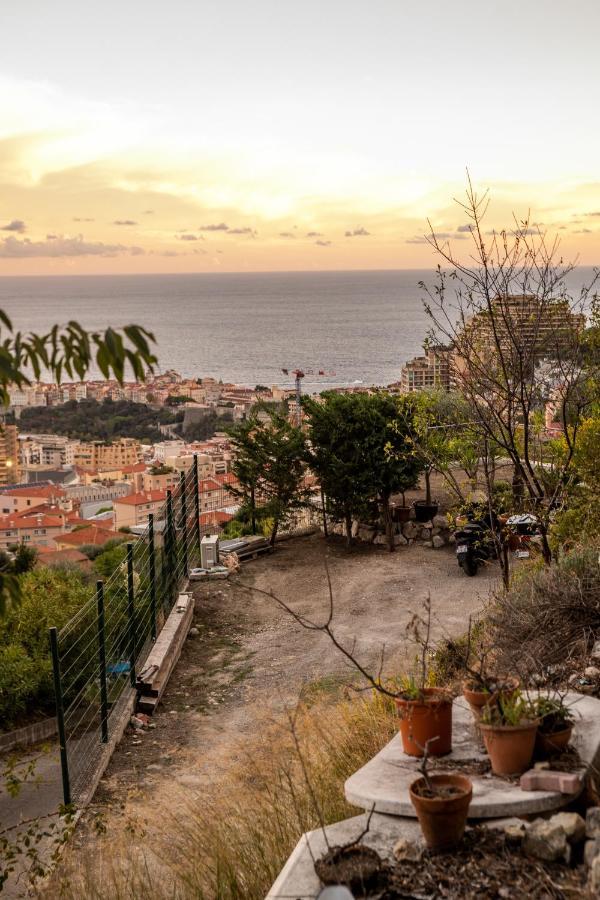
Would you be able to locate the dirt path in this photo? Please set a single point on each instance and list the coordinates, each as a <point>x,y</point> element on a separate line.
<point>249,658</point>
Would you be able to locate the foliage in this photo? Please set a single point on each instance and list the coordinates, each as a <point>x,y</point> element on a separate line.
<point>511,708</point>
<point>205,428</point>
<point>50,597</point>
<point>269,461</point>
<point>360,452</point>
<point>553,714</point>
<point>89,420</point>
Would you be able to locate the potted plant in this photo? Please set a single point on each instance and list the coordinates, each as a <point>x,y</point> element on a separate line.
<point>426,509</point>
<point>441,803</point>
<point>508,728</point>
<point>425,711</point>
<point>555,726</point>
<point>401,514</point>
<point>482,691</point>
<point>425,718</point>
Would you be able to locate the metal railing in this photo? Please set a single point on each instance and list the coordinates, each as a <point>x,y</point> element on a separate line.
<point>96,655</point>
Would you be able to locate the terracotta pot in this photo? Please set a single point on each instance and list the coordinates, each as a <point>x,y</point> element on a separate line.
<point>509,747</point>
<point>442,819</point>
<point>552,744</point>
<point>423,720</point>
<point>477,700</point>
<point>401,514</point>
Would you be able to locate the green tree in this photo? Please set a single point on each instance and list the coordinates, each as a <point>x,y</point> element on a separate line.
<point>270,461</point>
<point>361,451</point>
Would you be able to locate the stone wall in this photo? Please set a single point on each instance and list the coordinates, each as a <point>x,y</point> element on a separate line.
<point>436,533</point>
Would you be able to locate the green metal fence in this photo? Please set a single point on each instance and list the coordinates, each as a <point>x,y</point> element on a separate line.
<point>97,653</point>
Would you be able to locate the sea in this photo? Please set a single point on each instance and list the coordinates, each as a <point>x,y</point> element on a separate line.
<point>357,327</point>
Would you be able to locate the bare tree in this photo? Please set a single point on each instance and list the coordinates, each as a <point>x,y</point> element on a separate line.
<point>516,334</point>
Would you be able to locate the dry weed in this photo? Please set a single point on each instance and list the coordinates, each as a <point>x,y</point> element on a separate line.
<point>233,842</point>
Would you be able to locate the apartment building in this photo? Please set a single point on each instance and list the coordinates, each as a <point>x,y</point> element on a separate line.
<point>54,450</point>
<point>23,497</point>
<point>135,509</point>
<point>106,455</point>
<point>37,530</point>
<point>9,455</point>
<point>428,372</point>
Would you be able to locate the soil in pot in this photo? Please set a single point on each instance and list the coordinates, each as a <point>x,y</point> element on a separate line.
<point>478,699</point>
<point>424,512</point>
<point>355,866</point>
<point>510,747</point>
<point>426,719</point>
<point>549,744</point>
<point>442,809</point>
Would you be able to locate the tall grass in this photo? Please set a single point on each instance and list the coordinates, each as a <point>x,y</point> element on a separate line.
<point>232,843</point>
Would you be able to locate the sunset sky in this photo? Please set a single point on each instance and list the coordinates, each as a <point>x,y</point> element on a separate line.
<point>199,136</point>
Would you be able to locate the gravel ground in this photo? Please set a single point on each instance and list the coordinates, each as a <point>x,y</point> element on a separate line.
<point>250,659</point>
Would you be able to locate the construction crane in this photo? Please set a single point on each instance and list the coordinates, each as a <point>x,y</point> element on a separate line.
<point>299,374</point>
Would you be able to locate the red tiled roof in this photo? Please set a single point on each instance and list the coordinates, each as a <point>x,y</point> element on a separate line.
<point>142,497</point>
<point>130,470</point>
<point>91,534</point>
<point>215,517</point>
<point>46,490</point>
<point>209,484</point>
<point>11,523</point>
<point>59,557</point>
<point>228,478</point>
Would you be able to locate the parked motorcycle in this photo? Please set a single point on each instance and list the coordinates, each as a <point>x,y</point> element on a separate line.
<point>475,543</point>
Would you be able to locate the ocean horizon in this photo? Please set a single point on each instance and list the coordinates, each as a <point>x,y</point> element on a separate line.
<point>361,325</point>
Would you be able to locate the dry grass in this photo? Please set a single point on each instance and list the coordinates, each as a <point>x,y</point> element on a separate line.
<point>232,843</point>
<point>550,614</point>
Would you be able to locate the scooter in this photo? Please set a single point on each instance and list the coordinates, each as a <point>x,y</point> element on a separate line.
<point>474,544</point>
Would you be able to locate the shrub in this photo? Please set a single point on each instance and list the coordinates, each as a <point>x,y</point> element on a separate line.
<point>550,613</point>
<point>21,679</point>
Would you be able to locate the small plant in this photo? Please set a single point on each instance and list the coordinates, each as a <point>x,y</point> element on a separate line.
<point>552,714</point>
<point>512,709</point>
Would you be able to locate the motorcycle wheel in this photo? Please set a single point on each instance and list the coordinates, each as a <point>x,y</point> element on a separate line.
<point>470,567</point>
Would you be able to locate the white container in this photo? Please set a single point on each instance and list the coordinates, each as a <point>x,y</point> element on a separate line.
<point>209,551</point>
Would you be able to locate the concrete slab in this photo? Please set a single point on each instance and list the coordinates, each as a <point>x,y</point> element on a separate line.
<point>298,881</point>
<point>385,779</point>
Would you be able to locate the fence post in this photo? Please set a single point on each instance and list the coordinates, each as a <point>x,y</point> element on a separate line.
<point>131,615</point>
<point>197,503</point>
<point>102,662</point>
<point>60,717</point>
<point>183,521</point>
<point>152,574</point>
<point>170,539</point>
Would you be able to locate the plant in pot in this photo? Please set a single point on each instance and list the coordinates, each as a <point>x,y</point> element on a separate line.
<point>401,512</point>
<point>555,726</point>
<point>441,802</point>
<point>509,728</point>
<point>426,509</point>
<point>425,711</point>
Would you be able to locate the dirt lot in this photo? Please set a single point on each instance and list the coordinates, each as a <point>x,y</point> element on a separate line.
<point>250,659</point>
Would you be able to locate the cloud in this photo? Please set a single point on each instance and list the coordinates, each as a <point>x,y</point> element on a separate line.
<point>187,237</point>
<point>17,225</point>
<point>249,231</point>
<point>286,234</point>
<point>358,232</point>
<point>314,234</point>
<point>148,212</point>
<point>583,231</point>
<point>323,243</point>
<point>220,227</point>
<point>415,240</point>
<point>466,228</point>
<point>80,219</point>
<point>59,246</point>
<point>124,222</point>
<point>592,214</point>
